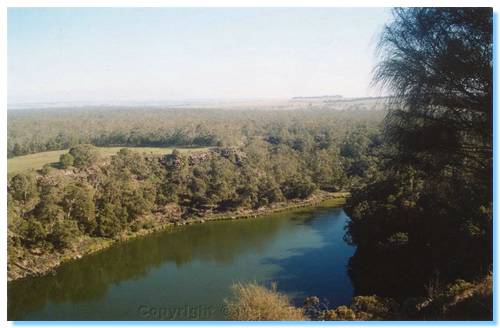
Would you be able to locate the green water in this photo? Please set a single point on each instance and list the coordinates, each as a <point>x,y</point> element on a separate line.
<point>185,274</point>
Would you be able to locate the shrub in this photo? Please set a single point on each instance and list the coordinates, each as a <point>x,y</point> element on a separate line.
<point>374,307</point>
<point>66,160</point>
<point>252,302</point>
<point>23,187</point>
<point>398,239</point>
<point>34,233</point>
<point>340,313</point>
<point>63,233</point>
<point>298,186</point>
<point>110,220</point>
<point>84,155</point>
<point>46,169</point>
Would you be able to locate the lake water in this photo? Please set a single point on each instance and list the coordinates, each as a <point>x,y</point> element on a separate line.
<point>185,274</point>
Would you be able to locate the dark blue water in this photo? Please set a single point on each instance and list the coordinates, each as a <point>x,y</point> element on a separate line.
<point>186,274</point>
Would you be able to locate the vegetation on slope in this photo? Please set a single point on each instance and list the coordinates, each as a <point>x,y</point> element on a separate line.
<point>460,300</point>
<point>423,224</point>
<point>421,205</point>
<point>427,220</point>
<point>53,158</point>
<point>56,212</point>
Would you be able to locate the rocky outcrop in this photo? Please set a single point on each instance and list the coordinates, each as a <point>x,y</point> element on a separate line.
<point>231,153</point>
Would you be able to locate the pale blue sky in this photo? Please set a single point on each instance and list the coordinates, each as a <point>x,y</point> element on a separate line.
<point>113,54</point>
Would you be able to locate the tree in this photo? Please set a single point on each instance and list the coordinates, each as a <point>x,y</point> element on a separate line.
<point>221,183</point>
<point>430,210</point>
<point>66,160</point>
<point>78,205</point>
<point>111,220</point>
<point>63,233</point>
<point>128,161</point>
<point>34,233</point>
<point>437,62</point>
<point>46,169</point>
<point>175,177</point>
<point>137,201</point>
<point>269,191</point>
<point>84,155</point>
<point>48,210</point>
<point>298,186</point>
<point>23,187</point>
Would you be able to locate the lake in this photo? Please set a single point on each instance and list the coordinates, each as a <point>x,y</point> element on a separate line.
<point>186,273</point>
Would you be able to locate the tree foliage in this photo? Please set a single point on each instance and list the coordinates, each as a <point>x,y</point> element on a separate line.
<point>428,216</point>
<point>84,155</point>
<point>102,197</point>
<point>437,62</point>
<point>66,160</point>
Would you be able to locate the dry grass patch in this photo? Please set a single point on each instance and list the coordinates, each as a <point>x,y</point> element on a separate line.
<point>38,160</point>
<point>253,302</point>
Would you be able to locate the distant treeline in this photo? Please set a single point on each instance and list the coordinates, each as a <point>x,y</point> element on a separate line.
<point>32,131</point>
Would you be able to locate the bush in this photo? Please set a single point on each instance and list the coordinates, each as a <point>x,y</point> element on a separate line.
<point>341,313</point>
<point>63,233</point>
<point>34,233</point>
<point>398,239</point>
<point>84,155</point>
<point>23,187</point>
<point>110,220</point>
<point>78,204</point>
<point>46,169</point>
<point>66,160</point>
<point>298,186</point>
<point>374,307</point>
<point>254,302</point>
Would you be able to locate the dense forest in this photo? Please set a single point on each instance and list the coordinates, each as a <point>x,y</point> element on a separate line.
<point>419,173</point>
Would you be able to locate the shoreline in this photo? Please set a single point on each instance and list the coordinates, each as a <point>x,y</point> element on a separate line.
<point>42,264</point>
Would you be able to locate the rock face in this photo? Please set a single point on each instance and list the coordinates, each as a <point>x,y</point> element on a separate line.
<point>172,160</point>
<point>176,159</point>
<point>197,158</point>
<point>171,212</point>
<point>231,153</point>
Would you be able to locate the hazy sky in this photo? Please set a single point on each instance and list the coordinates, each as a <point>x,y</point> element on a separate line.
<point>178,53</point>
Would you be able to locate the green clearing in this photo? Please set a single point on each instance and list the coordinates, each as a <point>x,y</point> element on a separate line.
<point>38,160</point>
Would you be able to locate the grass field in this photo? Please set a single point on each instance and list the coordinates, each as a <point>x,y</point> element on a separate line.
<point>38,160</point>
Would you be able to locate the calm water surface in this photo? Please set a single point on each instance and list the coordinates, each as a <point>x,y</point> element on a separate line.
<point>185,274</point>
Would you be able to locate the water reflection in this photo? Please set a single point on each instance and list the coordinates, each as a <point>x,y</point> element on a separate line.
<point>320,272</point>
<point>303,251</point>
